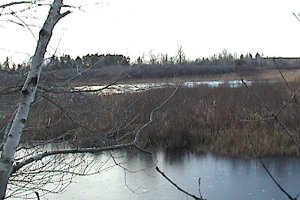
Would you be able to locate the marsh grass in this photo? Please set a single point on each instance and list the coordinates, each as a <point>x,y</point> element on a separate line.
<point>197,119</point>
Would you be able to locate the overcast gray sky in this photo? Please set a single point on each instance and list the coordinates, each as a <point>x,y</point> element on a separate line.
<point>136,27</point>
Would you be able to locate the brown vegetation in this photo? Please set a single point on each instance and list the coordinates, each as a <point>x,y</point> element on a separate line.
<point>197,119</point>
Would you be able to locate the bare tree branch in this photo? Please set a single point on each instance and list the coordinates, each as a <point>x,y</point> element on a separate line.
<point>133,144</point>
<point>268,172</point>
<point>296,16</point>
<point>72,90</point>
<point>15,3</point>
<point>19,165</point>
<point>179,188</point>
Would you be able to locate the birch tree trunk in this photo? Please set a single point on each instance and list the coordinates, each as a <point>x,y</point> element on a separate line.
<point>28,92</point>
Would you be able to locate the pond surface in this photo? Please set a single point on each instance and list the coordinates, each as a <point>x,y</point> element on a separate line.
<point>140,87</point>
<point>221,178</point>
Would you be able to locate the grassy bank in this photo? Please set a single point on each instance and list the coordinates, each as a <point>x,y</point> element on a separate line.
<point>196,119</point>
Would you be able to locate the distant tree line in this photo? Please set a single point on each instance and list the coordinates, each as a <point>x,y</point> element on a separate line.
<point>225,57</point>
<point>89,60</point>
<point>105,60</point>
<point>65,61</point>
<point>9,65</point>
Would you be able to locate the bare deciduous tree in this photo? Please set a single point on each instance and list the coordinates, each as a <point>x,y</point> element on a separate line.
<point>12,137</point>
<point>24,167</point>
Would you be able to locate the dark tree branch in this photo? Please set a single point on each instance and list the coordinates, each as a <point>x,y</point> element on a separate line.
<point>37,195</point>
<point>296,16</point>
<point>175,185</point>
<point>15,3</point>
<point>268,172</point>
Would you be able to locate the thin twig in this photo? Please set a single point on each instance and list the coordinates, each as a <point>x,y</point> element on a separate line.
<point>199,186</point>
<point>152,113</point>
<point>255,121</point>
<point>281,74</point>
<point>274,115</point>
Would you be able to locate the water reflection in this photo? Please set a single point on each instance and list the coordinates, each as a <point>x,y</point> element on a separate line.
<point>221,178</point>
<point>140,87</point>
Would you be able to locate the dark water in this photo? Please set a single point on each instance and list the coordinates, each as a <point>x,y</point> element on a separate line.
<point>221,178</point>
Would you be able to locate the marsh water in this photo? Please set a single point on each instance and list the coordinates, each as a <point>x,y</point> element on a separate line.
<point>224,178</point>
<point>141,87</point>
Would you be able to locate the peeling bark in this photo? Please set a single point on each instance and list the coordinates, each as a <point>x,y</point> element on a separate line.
<point>28,95</point>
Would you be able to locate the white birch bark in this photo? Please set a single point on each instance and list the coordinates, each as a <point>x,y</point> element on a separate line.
<point>27,96</point>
